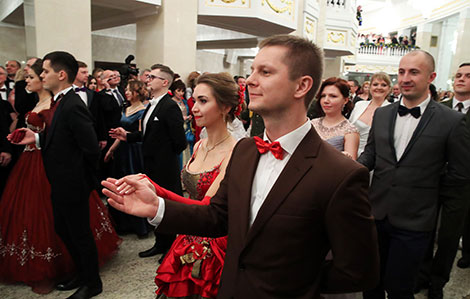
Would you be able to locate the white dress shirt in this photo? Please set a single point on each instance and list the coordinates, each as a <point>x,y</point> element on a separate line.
<point>153,103</point>
<point>82,94</point>
<point>267,172</point>
<point>466,105</point>
<point>404,128</point>
<point>3,94</point>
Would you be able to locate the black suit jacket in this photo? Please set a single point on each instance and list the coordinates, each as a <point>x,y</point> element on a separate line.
<point>70,150</point>
<point>318,203</point>
<point>435,164</point>
<point>163,141</point>
<point>110,109</point>
<point>95,106</point>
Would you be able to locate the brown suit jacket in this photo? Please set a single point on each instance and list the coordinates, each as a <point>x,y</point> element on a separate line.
<point>318,203</point>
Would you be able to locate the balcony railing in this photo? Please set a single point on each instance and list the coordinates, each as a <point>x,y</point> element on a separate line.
<point>383,51</point>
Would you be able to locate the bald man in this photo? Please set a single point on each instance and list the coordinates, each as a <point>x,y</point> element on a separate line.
<point>419,157</point>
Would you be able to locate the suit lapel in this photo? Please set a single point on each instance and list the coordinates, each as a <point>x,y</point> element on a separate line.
<point>425,118</point>
<point>152,116</point>
<point>250,161</point>
<point>89,96</point>
<point>50,131</point>
<point>300,162</point>
<point>391,130</point>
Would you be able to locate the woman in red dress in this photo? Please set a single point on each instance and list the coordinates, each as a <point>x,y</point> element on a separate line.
<point>30,250</point>
<point>193,265</point>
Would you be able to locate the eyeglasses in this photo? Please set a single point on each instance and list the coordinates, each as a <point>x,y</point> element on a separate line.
<point>153,77</point>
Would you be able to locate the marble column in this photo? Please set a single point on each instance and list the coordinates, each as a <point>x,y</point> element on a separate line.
<point>423,36</point>
<point>462,52</point>
<point>63,25</point>
<point>169,37</point>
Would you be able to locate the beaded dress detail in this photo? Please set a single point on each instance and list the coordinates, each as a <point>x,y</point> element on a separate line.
<point>30,250</point>
<point>193,265</point>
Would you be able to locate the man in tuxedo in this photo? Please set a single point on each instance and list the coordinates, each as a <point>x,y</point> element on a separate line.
<point>12,67</point>
<point>70,152</point>
<point>284,204</point>
<point>92,100</point>
<point>435,272</point>
<point>163,139</point>
<point>395,96</point>
<point>4,88</point>
<point>417,151</point>
<point>112,102</point>
<point>353,87</point>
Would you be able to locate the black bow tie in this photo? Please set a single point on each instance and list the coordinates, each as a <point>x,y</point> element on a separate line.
<point>77,89</point>
<point>415,112</point>
<point>3,89</point>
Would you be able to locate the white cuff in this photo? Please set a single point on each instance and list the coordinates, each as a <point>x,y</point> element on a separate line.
<point>36,137</point>
<point>155,221</point>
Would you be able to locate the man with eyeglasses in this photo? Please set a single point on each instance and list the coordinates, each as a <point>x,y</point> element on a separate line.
<point>163,139</point>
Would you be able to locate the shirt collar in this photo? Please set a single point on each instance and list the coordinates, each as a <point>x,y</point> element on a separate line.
<point>465,103</point>
<point>421,106</point>
<point>63,92</point>
<point>154,101</point>
<point>291,140</point>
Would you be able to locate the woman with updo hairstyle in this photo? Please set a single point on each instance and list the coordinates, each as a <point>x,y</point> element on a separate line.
<point>36,255</point>
<point>193,265</point>
<point>333,102</point>
<point>226,95</point>
<point>363,112</point>
<point>128,157</point>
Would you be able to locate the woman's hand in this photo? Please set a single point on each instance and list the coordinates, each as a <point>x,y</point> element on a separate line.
<point>142,202</point>
<point>124,188</point>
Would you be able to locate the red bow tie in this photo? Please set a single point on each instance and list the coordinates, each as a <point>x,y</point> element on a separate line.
<point>274,147</point>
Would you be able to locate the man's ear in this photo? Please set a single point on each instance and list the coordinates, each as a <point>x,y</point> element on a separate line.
<point>62,75</point>
<point>304,84</point>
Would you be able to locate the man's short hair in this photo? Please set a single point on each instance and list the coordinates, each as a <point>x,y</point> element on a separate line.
<point>63,61</point>
<point>3,68</point>
<point>356,83</point>
<point>303,58</point>
<point>464,64</point>
<point>427,56</point>
<point>81,64</point>
<point>167,73</point>
<point>18,64</point>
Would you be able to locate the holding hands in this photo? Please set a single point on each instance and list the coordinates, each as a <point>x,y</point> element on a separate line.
<point>133,194</point>
<point>22,136</point>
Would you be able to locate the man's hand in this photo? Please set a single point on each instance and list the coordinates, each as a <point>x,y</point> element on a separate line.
<point>118,133</point>
<point>143,202</point>
<point>125,188</point>
<point>5,159</point>
<point>102,144</point>
<point>27,139</point>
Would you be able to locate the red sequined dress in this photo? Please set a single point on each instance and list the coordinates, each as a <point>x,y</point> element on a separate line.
<point>193,265</point>
<point>30,250</point>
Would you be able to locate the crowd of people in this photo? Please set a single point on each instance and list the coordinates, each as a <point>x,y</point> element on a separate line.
<point>341,190</point>
<point>390,41</point>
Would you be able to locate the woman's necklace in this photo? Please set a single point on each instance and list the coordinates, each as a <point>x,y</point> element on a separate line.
<point>214,146</point>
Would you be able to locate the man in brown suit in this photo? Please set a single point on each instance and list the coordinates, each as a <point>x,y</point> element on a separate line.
<point>285,208</point>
